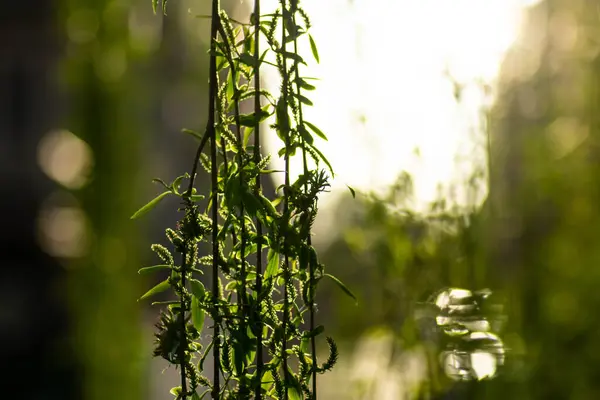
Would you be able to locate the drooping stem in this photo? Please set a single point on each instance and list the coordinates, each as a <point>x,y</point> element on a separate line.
<point>259,330</point>
<point>184,342</point>
<point>241,293</point>
<point>214,196</point>
<point>311,305</point>
<point>286,205</point>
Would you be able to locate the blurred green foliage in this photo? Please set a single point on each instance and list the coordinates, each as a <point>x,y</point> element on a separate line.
<point>533,242</point>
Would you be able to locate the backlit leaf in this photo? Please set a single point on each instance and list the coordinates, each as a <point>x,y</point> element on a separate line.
<point>313,48</point>
<point>272,263</point>
<point>352,191</point>
<point>341,286</point>
<point>316,130</point>
<point>198,289</point>
<point>150,205</point>
<point>147,270</point>
<point>161,287</point>
<point>197,314</point>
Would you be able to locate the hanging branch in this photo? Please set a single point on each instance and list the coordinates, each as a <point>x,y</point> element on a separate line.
<point>311,305</point>
<point>251,223</point>
<point>212,98</point>
<point>282,109</point>
<point>257,190</point>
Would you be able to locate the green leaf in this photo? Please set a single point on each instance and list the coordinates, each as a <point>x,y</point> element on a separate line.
<point>197,314</point>
<point>293,56</point>
<point>283,119</point>
<point>294,388</point>
<point>238,358</point>
<point>305,134</point>
<point>247,59</point>
<point>315,332</point>
<point>250,120</point>
<point>304,345</point>
<point>303,99</point>
<point>313,47</point>
<point>198,289</point>
<point>177,182</point>
<point>305,85</point>
<point>203,358</point>
<point>276,201</point>
<point>150,205</point>
<point>352,191</point>
<point>247,132</point>
<point>251,203</point>
<point>161,287</point>
<point>195,134</point>
<point>233,195</point>
<point>158,180</point>
<point>341,286</point>
<point>267,380</point>
<point>295,394</point>
<point>267,205</point>
<point>322,157</point>
<point>147,270</point>
<point>316,130</point>
<point>272,263</point>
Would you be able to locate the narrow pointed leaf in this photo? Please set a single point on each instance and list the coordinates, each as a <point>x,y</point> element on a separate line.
<point>315,332</point>
<point>313,47</point>
<point>305,85</point>
<point>322,157</point>
<point>316,130</point>
<point>304,100</point>
<point>147,270</point>
<point>341,286</point>
<point>272,263</point>
<point>293,56</point>
<point>150,205</point>
<point>198,289</point>
<point>158,180</point>
<point>197,314</point>
<point>161,287</point>
<point>352,191</point>
<point>193,133</point>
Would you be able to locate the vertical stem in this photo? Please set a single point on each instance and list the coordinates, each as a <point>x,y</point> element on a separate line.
<point>182,310</point>
<point>241,300</point>
<point>259,346</point>
<point>214,194</point>
<point>311,271</point>
<point>286,203</point>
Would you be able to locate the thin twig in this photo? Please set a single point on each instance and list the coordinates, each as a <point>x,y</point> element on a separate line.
<point>212,98</point>
<point>285,204</point>
<point>184,344</point>
<point>259,345</point>
<point>311,270</point>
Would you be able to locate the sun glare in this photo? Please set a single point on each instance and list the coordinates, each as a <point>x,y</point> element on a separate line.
<point>385,91</point>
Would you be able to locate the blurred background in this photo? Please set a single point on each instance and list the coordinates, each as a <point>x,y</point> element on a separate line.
<point>469,128</point>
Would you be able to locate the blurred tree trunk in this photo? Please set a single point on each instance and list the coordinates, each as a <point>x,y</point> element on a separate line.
<point>106,100</point>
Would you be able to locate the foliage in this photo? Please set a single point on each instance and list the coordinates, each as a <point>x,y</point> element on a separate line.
<point>398,258</point>
<point>256,309</point>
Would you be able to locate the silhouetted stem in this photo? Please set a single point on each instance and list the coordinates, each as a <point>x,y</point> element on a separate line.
<point>259,345</point>
<point>212,98</point>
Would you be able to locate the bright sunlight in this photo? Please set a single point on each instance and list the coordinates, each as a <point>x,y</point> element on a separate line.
<point>407,93</point>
